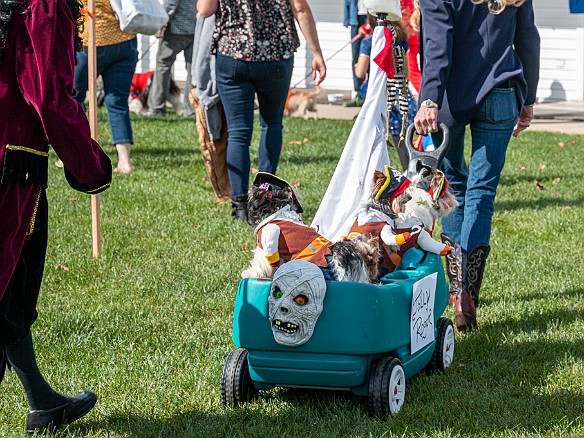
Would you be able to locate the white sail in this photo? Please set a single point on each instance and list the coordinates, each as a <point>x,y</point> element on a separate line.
<point>365,151</point>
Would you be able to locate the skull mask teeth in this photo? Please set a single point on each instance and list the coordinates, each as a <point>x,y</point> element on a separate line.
<point>296,301</point>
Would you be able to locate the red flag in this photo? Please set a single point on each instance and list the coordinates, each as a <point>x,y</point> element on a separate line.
<point>385,58</point>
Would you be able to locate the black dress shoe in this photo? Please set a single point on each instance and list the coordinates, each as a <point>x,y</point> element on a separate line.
<point>45,420</point>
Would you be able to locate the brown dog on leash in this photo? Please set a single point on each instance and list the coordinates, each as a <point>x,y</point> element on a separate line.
<point>300,103</point>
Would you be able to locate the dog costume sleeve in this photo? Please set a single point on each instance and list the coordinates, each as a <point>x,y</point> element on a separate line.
<point>391,239</point>
<point>427,243</point>
<point>268,238</point>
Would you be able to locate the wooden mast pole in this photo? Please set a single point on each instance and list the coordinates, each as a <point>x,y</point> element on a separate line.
<point>92,76</point>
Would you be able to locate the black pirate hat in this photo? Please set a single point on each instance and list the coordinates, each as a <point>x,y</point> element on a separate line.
<point>394,185</point>
<point>274,184</point>
<point>439,190</point>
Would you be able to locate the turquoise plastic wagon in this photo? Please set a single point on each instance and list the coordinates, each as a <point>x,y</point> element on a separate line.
<point>362,341</point>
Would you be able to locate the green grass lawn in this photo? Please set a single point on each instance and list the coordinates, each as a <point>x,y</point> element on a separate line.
<point>148,325</point>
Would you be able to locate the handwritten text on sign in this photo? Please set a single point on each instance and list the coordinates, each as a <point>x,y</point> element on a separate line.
<point>422,320</point>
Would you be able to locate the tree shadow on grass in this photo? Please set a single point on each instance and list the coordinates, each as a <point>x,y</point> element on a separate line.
<point>187,424</point>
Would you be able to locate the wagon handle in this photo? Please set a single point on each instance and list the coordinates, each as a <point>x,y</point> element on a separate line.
<point>429,158</point>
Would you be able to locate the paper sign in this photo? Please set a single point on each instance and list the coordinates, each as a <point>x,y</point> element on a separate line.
<point>422,319</point>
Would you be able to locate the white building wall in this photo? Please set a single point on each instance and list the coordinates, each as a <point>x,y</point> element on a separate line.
<point>562,54</point>
<point>562,51</point>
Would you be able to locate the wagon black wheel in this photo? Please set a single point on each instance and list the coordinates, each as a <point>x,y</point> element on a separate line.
<point>444,349</point>
<point>387,387</point>
<point>236,384</point>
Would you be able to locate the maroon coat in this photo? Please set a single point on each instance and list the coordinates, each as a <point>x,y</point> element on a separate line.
<point>36,109</point>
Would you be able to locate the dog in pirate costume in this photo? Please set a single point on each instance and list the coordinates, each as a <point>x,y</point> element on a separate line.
<point>426,200</point>
<point>435,183</point>
<point>402,215</point>
<point>376,220</point>
<point>274,213</point>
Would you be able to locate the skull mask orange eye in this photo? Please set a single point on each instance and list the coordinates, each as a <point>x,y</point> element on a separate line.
<point>301,300</point>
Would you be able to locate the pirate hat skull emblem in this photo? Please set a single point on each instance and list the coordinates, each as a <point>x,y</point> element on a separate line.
<point>296,301</point>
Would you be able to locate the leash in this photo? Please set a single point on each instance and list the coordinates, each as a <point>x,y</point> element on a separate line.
<point>351,41</point>
<point>146,51</point>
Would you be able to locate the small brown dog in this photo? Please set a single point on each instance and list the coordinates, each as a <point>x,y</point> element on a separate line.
<point>300,103</point>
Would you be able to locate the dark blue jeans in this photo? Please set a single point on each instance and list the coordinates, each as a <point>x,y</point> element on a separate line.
<point>115,65</point>
<point>475,184</point>
<point>238,81</point>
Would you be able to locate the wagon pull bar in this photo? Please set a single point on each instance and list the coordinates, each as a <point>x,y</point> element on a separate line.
<point>428,158</point>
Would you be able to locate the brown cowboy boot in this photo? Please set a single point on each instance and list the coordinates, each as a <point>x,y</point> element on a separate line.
<point>453,268</point>
<point>465,313</point>
<point>473,266</point>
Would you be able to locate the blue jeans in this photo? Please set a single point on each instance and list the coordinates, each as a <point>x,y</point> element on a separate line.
<point>115,65</point>
<point>475,185</point>
<point>238,81</point>
<point>355,50</point>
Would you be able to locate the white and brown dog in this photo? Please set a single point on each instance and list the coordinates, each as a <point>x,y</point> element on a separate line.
<point>401,213</point>
<point>274,213</point>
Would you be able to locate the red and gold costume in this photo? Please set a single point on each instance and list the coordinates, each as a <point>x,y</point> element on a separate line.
<point>284,237</point>
<point>374,223</point>
<point>36,109</point>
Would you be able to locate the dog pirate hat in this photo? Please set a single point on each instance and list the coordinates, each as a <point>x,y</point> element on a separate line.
<point>394,185</point>
<point>440,186</point>
<point>274,184</point>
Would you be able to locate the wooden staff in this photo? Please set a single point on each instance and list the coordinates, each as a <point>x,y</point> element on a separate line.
<point>92,74</point>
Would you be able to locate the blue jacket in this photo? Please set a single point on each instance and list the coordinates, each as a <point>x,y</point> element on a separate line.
<point>468,51</point>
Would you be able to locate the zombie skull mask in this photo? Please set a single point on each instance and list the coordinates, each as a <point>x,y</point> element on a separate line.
<point>296,301</point>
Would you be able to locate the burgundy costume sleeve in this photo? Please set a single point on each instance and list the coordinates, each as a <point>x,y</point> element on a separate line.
<point>45,78</point>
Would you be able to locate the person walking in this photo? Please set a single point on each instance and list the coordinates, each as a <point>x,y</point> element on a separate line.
<point>480,69</point>
<point>175,38</point>
<point>37,55</point>
<point>210,117</point>
<point>117,55</point>
<point>355,16</point>
<point>254,43</point>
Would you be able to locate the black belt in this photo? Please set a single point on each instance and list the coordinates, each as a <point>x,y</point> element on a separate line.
<point>509,83</point>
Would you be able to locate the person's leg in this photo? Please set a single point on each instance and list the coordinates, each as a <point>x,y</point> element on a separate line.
<point>237,94</point>
<point>48,408</point>
<point>22,359</point>
<point>80,82</point>
<point>117,71</point>
<point>355,48</point>
<point>491,132</point>
<point>18,312</point>
<point>213,150</point>
<point>168,47</point>
<point>189,110</point>
<point>272,82</point>
<point>456,171</point>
